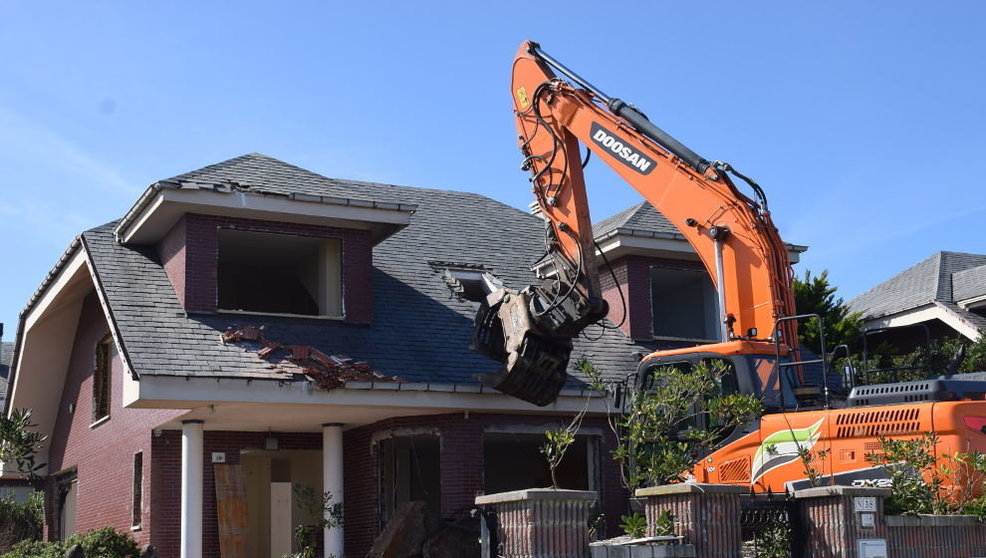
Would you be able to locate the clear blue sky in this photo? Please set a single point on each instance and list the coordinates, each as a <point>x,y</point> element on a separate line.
<point>864,121</point>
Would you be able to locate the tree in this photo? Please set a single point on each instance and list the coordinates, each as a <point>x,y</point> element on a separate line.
<point>667,428</point>
<point>815,295</point>
<point>19,443</point>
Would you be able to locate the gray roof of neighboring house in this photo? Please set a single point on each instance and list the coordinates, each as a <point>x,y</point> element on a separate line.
<point>969,283</point>
<point>940,279</point>
<point>419,331</point>
<point>644,220</point>
<point>6,359</point>
<point>639,220</point>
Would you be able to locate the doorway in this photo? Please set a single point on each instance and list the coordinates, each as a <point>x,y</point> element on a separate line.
<point>273,509</point>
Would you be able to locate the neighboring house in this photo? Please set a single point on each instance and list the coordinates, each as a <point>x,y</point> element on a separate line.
<point>6,356</point>
<point>253,324</point>
<point>672,299</point>
<point>946,293</point>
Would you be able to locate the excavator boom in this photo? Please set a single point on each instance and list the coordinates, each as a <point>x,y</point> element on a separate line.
<point>531,330</point>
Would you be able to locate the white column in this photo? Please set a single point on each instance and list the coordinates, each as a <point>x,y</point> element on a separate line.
<point>191,488</point>
<point>332,482</point>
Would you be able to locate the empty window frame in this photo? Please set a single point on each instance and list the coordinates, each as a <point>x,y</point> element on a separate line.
<point>102,379</point>
<point>138,488</point>
<point>515,462</point>
<point>279,273</point>
<point>410,470</point>
<point>684,304</point>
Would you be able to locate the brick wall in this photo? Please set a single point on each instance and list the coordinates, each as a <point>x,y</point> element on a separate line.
<point>633,275</point>
<point>190,255</point>
<point>461,441</point>
<point>172,253</point>
<point>166,489</point>
<point>102,456</point>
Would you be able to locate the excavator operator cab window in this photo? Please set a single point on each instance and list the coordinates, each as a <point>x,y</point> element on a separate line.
<point>652,374</point>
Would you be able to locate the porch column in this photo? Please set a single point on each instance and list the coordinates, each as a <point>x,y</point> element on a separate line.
<point>191,488</point>
<point>332,482</point>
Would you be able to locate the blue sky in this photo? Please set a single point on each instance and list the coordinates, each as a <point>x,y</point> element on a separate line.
<point>863,121</point>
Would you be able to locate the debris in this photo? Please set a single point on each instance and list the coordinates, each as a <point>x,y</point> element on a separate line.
<point>328,371</point>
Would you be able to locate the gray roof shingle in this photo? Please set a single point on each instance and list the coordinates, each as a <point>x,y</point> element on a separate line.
<point>636,220</point>
<point>941,279</point>
<point>419,331</point>
<point>6,359</point>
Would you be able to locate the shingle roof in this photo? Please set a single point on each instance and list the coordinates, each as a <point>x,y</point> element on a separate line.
<point>640,219</point>
<point>6,359</point>
<point>931,281</point>
<point>419,331</point>
<point>969,283</point>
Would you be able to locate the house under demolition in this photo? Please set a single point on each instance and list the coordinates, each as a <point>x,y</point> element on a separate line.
<point>251,326</point>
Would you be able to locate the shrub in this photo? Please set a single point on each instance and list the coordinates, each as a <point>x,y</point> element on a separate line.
<point>105,543</point>
<point>98,543</point>
<point>20,521</point>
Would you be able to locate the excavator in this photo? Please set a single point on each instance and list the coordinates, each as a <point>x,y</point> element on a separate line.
<point>531,330</point>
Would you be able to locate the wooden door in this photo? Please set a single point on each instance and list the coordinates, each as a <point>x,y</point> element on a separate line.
<point>231,510</point>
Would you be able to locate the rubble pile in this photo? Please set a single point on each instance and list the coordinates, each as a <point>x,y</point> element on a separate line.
<point>327,371</point>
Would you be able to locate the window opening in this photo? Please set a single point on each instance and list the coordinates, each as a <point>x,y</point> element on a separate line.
<point>102,379</point>
<point>279,273</point>
<point>515,462</point>
<point>410,470</point>
<point>138,488</point>
<point>683,304</point>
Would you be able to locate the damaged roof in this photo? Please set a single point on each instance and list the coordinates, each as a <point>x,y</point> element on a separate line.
<point>945,279</point>
<point>419,331</point>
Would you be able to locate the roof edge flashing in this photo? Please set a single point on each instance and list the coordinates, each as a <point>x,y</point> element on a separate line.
<point>164,203</point>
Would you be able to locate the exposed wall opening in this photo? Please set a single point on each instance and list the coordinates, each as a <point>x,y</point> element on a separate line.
<point>138,489</point>
<point>279,273</point>
<point>514,462</point>
<point>410,470</point>
<point>684,304</point>
<point>101,379</point>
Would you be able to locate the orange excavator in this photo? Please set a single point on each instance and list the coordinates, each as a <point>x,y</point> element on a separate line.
<point>531,330</point>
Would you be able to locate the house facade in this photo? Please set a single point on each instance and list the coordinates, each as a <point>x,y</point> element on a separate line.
<point>251,327</point>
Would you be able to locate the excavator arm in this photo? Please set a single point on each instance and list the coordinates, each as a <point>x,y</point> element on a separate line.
<point>531,330</point>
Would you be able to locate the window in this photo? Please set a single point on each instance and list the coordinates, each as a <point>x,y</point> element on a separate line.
<point>101,379</point>
<point>684,304</point>
<point>279,273</point>
<point>515,462</point>
<point>409,470</point>
<point>138,491</point>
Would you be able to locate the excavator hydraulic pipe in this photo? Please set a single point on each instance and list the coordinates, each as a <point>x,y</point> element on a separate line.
<point>629,113</point>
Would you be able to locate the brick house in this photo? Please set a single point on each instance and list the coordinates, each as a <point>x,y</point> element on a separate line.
<point>143,356</point>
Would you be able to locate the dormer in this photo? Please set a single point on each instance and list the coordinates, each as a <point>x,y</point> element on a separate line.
<point>255,235</point>
<point>668,294</point>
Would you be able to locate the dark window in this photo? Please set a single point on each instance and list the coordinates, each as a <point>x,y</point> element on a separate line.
<point>410,470</point>
<point>684,304</point>
<point>138,487</point>
<point>102,379</point>
<point>515,462</point>
<point>279,273</point>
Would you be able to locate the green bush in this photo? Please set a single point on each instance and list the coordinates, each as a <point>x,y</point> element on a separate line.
<point>105,543</point>
<point>98,543</point>
<point>36,549</point>
<point>20,521</point>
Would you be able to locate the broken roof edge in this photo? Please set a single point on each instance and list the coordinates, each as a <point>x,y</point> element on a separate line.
<point>133,216</point>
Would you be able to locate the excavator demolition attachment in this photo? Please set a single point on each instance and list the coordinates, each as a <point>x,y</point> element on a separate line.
<point>533,363</point>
